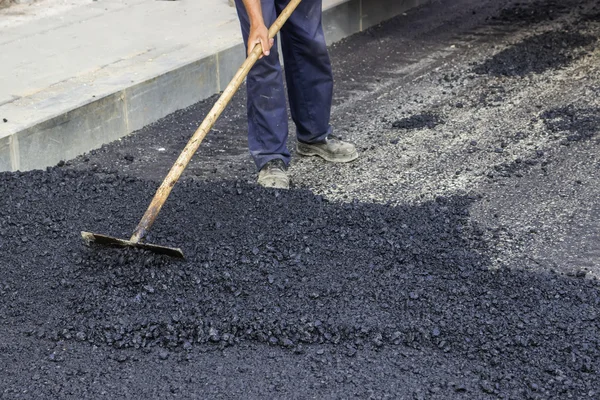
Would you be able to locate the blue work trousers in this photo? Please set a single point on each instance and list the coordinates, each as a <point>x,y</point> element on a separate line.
<point>308,77</point>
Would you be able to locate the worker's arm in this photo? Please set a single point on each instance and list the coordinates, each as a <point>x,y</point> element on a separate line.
<point>258,31</point>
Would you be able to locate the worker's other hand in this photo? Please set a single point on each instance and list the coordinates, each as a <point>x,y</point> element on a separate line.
<point>260,34</point>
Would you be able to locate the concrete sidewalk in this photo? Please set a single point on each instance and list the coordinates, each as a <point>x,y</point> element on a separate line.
<point>74,76</point>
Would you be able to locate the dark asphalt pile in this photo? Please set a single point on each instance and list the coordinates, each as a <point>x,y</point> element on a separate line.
<point>568,123</point>
<point>286,269</point>
<point>418,121</point>
<point>543,52</point>
<point>534,12</point>
<point>574,123</point>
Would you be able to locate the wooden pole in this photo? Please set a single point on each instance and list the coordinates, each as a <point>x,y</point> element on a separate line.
<point>190,149</point>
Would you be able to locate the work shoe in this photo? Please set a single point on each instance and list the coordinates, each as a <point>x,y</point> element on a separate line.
<point>273,175</point>
<point>332,149</point>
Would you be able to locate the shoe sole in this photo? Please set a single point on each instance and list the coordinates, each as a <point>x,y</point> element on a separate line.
<point>274,186</point>
<point>326,156</point>
<point>274,183</point>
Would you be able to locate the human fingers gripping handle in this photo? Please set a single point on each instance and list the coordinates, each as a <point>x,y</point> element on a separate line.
<point>260,35</point>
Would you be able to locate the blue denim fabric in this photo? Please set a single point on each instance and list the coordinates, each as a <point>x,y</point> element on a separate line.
<point>308,77</point>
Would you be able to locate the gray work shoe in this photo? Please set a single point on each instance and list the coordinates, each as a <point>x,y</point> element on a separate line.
<point>332,150</point>
<point>273,175</point>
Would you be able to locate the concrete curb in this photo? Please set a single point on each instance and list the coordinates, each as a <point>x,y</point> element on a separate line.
<point>112,115</point>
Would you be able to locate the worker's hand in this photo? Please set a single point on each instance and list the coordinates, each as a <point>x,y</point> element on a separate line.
<point>260,34</point>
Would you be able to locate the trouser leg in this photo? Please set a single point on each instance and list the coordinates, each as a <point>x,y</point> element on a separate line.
<point>308,70</point>
<point>267,112</point>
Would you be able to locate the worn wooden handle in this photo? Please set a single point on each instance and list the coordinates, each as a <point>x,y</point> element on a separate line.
<point>190,149</point>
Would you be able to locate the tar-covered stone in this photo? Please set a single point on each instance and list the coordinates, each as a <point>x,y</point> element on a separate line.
<point>418,121</point>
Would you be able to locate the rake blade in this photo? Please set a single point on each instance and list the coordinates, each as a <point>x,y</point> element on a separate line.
<point>115,242</point>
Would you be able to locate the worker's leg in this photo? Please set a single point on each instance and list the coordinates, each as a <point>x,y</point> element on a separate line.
<point>307,70</point>
<point>267,113</point>
<point>310,83</point>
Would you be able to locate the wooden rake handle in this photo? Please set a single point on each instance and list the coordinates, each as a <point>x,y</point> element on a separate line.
<point>190,149</point>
